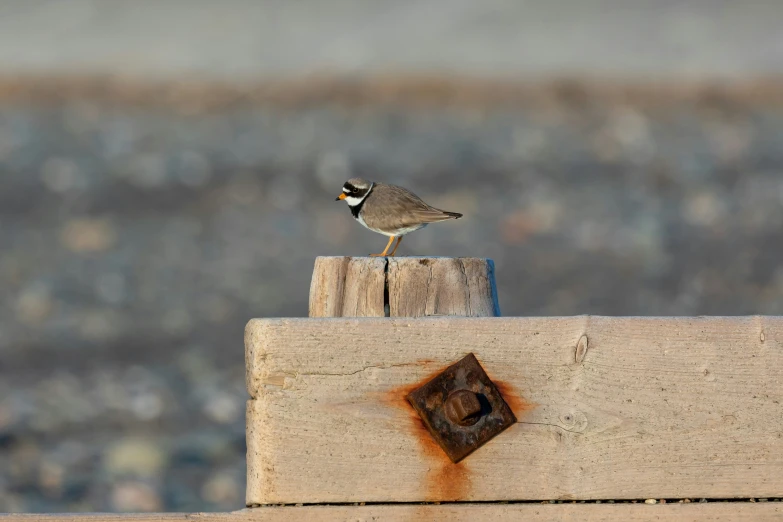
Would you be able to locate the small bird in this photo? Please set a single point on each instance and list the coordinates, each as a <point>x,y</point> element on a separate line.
<point>389,210</point>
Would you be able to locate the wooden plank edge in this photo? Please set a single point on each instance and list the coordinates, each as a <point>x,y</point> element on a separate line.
<point>259,331</point>
<point>190,93</point>
<point>740,511</point>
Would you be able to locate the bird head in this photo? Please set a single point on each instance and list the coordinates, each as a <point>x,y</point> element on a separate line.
<point>355,190</point>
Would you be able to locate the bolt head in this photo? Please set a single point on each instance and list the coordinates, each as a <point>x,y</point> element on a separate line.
<point>478,411</point>
<point>462,407</point>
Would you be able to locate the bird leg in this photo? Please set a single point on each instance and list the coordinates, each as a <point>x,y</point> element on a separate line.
<point>383,254</point>
<point>399,240</point>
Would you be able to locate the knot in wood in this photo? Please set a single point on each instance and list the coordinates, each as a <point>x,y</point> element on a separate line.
<point>463,407</point>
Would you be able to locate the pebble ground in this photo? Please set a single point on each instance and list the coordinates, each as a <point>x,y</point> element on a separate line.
<point>135,243</point>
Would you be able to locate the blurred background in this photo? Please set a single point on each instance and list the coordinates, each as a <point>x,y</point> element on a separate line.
<point>168,171</point>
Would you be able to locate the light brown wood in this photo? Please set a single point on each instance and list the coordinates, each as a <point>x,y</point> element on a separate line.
<point>421,287</point>
<point>403,287</point>
<point>612,408</point>
<point>364,288</point>
<point>327,286</point>
<point>718,511</point>
<point>348,287</point>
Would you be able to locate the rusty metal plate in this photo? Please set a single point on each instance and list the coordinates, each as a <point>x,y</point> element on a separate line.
<point>462,408</point>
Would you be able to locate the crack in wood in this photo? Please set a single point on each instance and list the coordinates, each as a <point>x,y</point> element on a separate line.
<point>467,284</point>
<point>377,367</point>
<point>553,425</point>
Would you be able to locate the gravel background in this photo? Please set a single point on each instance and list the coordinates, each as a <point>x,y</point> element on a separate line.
<point>136,244</point>
<point>139,234</point>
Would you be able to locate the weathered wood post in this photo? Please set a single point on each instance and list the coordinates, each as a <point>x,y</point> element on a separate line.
<point>403,287</point>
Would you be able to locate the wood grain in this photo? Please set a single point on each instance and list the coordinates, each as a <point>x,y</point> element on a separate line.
<point>348,287</point>
<point>403,287</point>
<point>364,288</point>
<point>735,511</point>
<point>327,286</point>
<point>607,408</point>
<point>421,287</point>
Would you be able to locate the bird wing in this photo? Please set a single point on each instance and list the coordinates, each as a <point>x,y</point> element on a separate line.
<point>397,207</point>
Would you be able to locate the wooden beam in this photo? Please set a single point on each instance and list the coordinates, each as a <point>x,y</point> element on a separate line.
<point>735,512</point>
<point>607,408</point>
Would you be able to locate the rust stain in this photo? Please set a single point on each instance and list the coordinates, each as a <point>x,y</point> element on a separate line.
<point>514,400</point>
<point>445,480</point>
<point>449,482</point>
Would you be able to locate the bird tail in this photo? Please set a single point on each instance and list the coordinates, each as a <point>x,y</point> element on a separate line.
<point>433,215</point>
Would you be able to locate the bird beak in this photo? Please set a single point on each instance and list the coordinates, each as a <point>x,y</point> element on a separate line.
<point>341,196</point>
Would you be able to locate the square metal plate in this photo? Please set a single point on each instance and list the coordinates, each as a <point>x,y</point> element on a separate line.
<point>456,439</point>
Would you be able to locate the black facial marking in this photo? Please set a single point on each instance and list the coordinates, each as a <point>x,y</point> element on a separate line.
<point>357,193</point>
<point>353,191</point>
<point>357,208</point>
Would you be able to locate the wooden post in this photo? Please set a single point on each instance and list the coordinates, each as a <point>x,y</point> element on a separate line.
<point>403,287</point>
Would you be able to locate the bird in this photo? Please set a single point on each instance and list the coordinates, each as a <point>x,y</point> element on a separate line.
<point>389,210</point>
